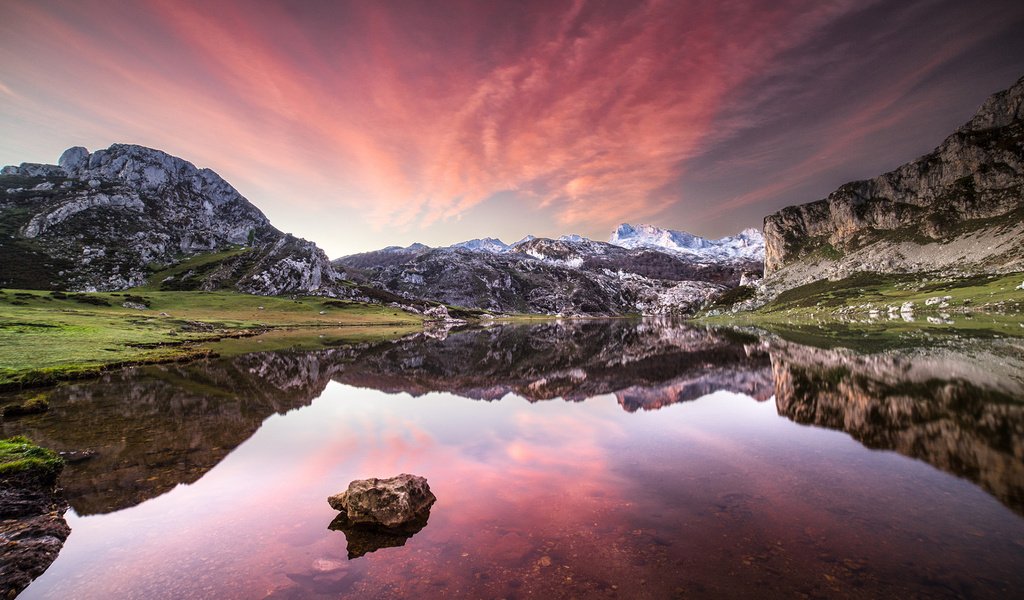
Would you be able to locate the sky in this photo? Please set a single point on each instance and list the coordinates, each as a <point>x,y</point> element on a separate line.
<point>364,124</point>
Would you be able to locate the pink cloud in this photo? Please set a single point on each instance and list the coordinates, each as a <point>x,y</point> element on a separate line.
<point>407,115</point>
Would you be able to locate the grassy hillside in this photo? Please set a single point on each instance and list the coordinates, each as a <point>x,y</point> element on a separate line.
<point>865,292</point>
<point>48,336</point>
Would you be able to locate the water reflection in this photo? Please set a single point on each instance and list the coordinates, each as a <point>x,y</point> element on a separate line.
<point>363,539</point>
<point>962,412</point>
<point>675,479</point>
<point>135,434</point>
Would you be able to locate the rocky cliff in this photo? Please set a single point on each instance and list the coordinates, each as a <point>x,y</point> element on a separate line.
<point>110,219</point>
<point>958,208</point>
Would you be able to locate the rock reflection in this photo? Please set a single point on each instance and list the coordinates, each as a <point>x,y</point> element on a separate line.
<point>648,364</point>
<point>363,538</point>
<point>961,412</point>
<point>135,434</point>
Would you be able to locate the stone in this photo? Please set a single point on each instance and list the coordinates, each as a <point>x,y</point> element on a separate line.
<point>437,313</point>
<point>387,502</point>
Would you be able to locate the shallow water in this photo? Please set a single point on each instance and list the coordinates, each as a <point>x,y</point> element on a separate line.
<point>596,459</point>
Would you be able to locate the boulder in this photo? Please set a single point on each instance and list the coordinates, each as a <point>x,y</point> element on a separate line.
<point>388,502</point>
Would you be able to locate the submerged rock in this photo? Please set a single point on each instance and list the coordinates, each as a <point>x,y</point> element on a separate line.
<point>385,502</point>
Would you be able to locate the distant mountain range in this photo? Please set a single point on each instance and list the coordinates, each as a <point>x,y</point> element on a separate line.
<point>747,245</point>
<point>646,270</point>
<point>129,216</point>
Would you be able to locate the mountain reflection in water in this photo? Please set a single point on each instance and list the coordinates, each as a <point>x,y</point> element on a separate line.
<point>149,429</point>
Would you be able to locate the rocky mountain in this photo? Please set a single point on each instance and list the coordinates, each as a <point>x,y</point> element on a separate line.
<point>747,245</point>
<point>111,219</point>
<point>958,209</point>
<point>570,275</point>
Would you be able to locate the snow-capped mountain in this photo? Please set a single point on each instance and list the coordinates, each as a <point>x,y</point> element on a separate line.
<point>747,245</point>
<point>487,244</point>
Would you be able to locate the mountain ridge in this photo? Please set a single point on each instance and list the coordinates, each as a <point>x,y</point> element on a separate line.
<point>106,220</point>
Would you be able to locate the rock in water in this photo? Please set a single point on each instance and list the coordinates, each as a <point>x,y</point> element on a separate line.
<point>385,502</point>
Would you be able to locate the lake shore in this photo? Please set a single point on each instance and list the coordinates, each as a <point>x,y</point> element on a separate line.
<point>46,337</point>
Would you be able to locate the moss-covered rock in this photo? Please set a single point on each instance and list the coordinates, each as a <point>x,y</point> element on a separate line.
<point>32,525</point>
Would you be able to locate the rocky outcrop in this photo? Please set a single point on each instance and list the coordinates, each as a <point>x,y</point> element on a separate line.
<point>387,502</point>
<point>107,220</point>
<point>32,525</point>
<point>959,208</point>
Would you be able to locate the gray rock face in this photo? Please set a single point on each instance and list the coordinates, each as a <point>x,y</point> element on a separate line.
<point>959,206</point>
<point>106,220</point>
<point>388,502</point>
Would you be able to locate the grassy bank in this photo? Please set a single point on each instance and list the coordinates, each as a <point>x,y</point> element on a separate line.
<point>51,336</point>
<point>877,311</point>
<point>871,294</point>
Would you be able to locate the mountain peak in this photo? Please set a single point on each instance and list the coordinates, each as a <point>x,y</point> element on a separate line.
<point>487,244</point>
<point>747,245</point>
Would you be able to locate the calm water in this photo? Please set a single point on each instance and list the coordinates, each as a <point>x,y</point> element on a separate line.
<point>595,459</point>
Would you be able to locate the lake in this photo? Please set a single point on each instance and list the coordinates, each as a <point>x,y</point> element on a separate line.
<point>631,459</point>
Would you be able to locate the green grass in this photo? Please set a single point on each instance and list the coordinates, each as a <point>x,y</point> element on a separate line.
<point>198,265</point>
<point>46,337</point>
<point>19,457</point>
<point>855,312</point>
<point>867,291</point>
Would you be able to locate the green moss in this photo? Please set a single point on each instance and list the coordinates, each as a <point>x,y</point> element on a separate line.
<point>20,458</point>
<point>34,405</point>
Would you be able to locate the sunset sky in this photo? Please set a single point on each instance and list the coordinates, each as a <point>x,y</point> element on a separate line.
<point>369,123</point>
